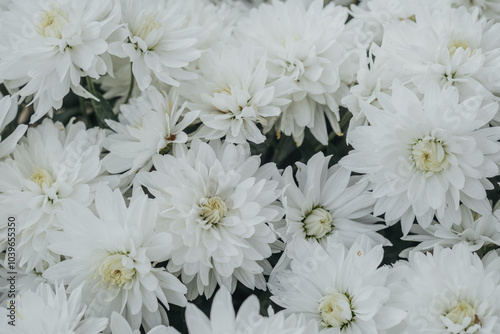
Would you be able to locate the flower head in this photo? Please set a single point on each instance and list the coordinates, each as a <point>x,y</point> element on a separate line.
<point>52,45</point>
<point>114,254</point>
<point>340,288</point>
<point>449,291</point>
<point>425,157</point>
<point>217,202</point>
<point>327,201</point>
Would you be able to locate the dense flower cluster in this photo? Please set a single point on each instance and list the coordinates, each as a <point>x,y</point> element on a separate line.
<point>339,160</point>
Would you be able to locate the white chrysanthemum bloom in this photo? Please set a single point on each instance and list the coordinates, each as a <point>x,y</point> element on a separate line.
<point>247,321</point>
<point>475,230</point>
<point>233,96</point>
<point>326,201</point>
<point>149,124</point>
<point>424,158</point>
<point>46,311</point>
<point>452,47</point>
<point>51,166</point>
<point>119,325</point>
<point>488,8</point>
<point>113,253</point>
<point>8,112</point>
<point>376,14</point>
<point>157,41</point>
<point>449,291</point>
<point>52,44</point>
<point>310,46</point>
<point>341,289</point>
<point>217,201</point>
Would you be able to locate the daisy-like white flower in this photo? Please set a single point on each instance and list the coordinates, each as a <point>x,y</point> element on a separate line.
<point>52,165</point>
<point>51,45</point>
<point>424,158</point>
<point>46,311</point>
<point>310,46</point>
<point>118,325</point>
<point>217,201</point>
<point>449,46</point>
<point>157,41</point>
<point>113,255</point>
<point>8,112</point>
<point>149,124</point>
<point>326,201</point>
<point>449,291</point>
<point>341,289</point>
<point>475,230</point>
<point>247,321</point>
<point>233,96</point>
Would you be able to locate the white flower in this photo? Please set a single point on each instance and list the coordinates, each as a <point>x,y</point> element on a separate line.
<point>246,321</point>
<point>52,165</point>
<point>451,47</point>
<point>148,125</point>
<point>118,325</point>
<point>326,201</point>
<point>449,291</point>
<point>52,44</point>
<point>341,289</point>
<point>424,158</point>
<point>157,41</point>
<point>475,230</point>
<point>216,201</point>
<point>310,46</point>
<point>112,253</point>
<point>232,95</point>
<point>8,112</point>
<point>45,311</point>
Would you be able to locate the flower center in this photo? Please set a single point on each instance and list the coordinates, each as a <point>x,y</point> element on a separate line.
<point>455,45</point>
<point>318,223</point>
<point>429,155</point>
<point>146,26</point>
<point>114,272</point>
<point>335,310</point>
<point>463,314</point>
<point>40,176</point>
<point>213,209</point>
<point>51,23</point>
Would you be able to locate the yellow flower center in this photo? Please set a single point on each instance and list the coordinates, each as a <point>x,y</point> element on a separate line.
<point>113,271</point>
<point>318,223</point>
<point>213,209</point>
<point>461,312</point>
<point>455,45</point>
<point>335,310</point>
<point>40,176</point>
<point>429,155</point>
<point>51,23</point>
